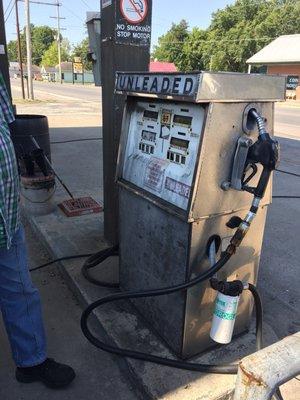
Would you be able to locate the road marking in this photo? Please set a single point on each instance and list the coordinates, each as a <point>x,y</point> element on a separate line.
<point>60,95</point>
<point>66,97</point>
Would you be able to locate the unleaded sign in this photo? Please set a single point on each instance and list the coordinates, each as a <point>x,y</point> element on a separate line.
<point>133,22</point>
<point>184,85</point>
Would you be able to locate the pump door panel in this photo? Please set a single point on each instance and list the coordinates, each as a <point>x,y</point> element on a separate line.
<point>162,149</point>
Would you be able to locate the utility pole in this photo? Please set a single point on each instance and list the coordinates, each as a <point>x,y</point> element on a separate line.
<point>58,44</point>
<point>28,48</point>
<point>19,49</point>
<point>3,51</point>
<point>58,18</point>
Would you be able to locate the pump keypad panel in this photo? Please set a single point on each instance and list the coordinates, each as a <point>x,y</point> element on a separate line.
<point>162,149</point>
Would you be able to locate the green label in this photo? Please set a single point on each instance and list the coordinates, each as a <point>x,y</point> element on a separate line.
<point>224,315</point>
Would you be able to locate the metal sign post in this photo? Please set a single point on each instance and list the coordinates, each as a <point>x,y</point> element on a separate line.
<point>78,68</point>
<point>125,39</point>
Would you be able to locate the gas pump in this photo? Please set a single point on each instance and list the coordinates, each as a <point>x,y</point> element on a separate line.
<point>194,172</point>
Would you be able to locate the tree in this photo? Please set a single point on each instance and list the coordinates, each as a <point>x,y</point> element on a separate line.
<point>12,50</point>
<point>193,51</point>
<point>50,57</point>
<point>236,33</point>
<point>171,44</point>
<point>41,37</point>
<point>81,50</point>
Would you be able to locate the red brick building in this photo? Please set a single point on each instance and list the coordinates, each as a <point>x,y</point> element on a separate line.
<point>282,56</point>
<point>162,66</point>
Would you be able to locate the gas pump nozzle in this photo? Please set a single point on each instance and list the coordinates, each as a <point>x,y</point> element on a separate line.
<point>264,151</point>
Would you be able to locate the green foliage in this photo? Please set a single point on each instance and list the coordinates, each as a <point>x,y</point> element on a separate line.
<point>235,34</point>
<point>50,57</point>
<point>12,50</point>
<point>192,51</point>
<point>81,50</point>
<point>170,45</point>
<point>42,38</point>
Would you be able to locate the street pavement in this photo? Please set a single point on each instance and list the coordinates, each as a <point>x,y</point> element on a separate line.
<point>86,92</point>
<point>287,120</point>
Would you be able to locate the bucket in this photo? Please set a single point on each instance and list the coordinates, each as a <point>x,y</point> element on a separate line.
<point>37,194</point>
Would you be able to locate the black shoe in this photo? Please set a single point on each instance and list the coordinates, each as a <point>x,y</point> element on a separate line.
<point>52,374</point>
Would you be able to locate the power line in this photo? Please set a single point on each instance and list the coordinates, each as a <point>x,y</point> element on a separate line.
<point>7,7</point>
<point>75,15</point>
<point>85,3</point>
<point>219,40</point>
<point>12,7</point>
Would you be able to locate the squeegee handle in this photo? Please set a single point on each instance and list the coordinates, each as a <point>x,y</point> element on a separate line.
<point>36,145</point>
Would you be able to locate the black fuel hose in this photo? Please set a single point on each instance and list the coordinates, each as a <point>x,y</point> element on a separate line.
<point>228,369</point>
<point>93,259</point>
<point>64,258</point>
<point>259,316</point>
<point>96,259</point>
<point>217,369</point>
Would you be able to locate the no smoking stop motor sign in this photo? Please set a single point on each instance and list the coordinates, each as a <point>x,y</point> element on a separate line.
<point>134,11</point>
<point>133,22</point>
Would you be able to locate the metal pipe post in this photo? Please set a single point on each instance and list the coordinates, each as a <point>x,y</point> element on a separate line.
<point>19,49</point>
<point>28,48</point>
<point>58,44</point>
<point>262,372</point>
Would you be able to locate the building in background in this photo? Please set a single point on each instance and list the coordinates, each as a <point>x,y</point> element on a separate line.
<point>66,71</point>
<point>48,73</point>
<point>282,56</point>
<point>15,72</point>
<point>162,66</point>
<point>68,75</point>
<point>14,69</point>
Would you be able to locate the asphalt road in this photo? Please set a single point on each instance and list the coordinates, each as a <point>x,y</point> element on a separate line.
<point>66,90</point>
<point>287,121</point>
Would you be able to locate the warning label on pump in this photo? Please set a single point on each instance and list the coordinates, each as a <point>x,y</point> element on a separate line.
<point>133,22</point>
<point>155,172</point>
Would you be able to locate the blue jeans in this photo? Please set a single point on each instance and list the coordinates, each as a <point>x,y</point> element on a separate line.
<point>20,305</point>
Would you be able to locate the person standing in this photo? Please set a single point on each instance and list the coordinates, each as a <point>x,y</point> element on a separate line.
<point>20,302</point>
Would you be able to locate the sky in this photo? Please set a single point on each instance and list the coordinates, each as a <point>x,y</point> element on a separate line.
<point>195,12</point>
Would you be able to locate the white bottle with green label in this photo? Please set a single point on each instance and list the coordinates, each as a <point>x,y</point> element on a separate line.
<point>224,318</point>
